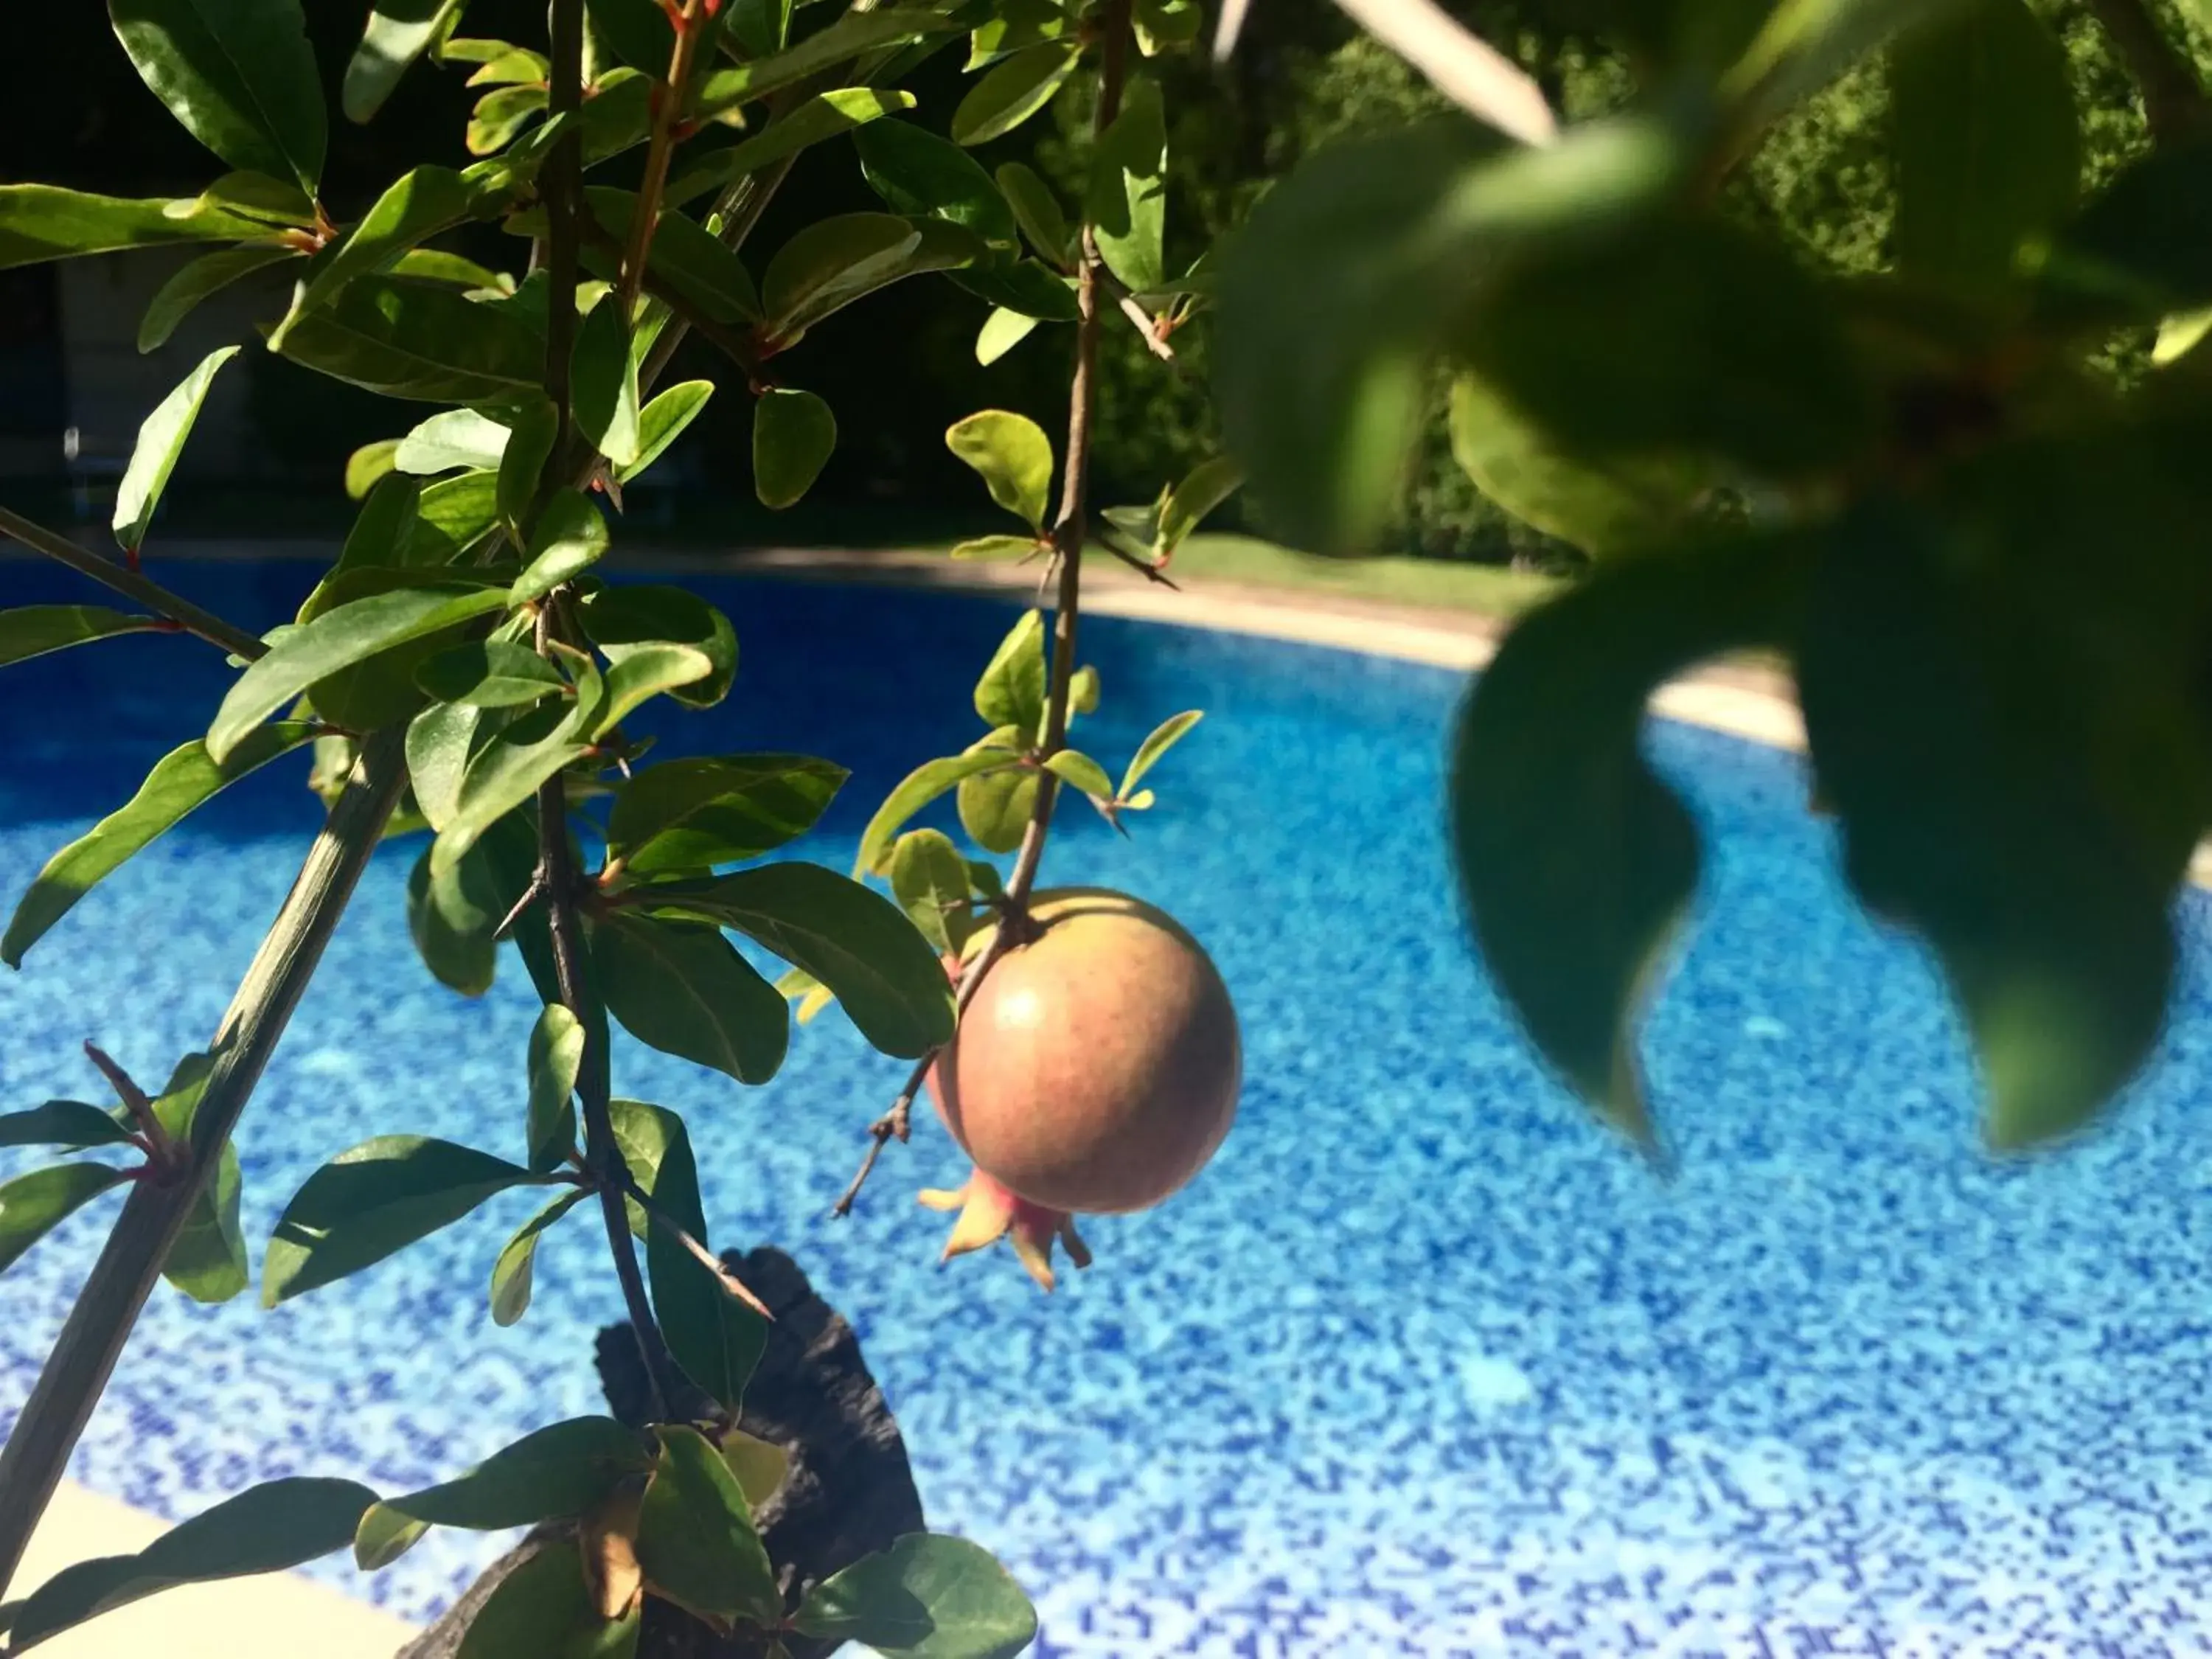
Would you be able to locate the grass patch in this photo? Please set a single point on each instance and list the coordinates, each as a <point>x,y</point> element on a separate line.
<point>1486,590</point>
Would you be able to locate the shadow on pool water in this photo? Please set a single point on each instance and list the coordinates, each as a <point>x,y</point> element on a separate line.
<point>1424,1363</point>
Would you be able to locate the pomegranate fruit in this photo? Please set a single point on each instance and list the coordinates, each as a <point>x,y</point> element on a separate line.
<point>1095,1072</point>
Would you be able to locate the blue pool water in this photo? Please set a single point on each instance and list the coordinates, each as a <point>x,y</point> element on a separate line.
<point>1422,1364</point>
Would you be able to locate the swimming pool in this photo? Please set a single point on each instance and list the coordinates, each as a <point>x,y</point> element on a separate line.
<point>1424,1363</point>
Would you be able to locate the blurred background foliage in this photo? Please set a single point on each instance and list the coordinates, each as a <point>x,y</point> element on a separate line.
<point>1300,78</point>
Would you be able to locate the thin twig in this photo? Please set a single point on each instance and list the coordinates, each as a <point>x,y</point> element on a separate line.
<point>131,584</point>
<point>1067,536</point>
<point>136,1101</point>
<point>667,112</point>
<point>2174,104</point>
<point>730,1283</point>
<point>1148,325</point>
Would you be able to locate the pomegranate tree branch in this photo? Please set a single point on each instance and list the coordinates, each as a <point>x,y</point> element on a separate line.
<point>1067,543</point>
<point>128,582</point>
<point>2174,105</point>
<point>555,878</point>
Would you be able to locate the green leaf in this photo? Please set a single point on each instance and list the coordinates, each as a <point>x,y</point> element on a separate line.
<point>44,221</point>
<point>929,879</point>
<point>696,1539</point>
<point>1805,44</point>
<point>419,340</point>
<point>272,202</point>
<point>32,630</point>
<point>694,263</point>
<point>920,174</point>
<point>536,427</point>
<point>206,1262</point>
<point>995,807</point>
<point>1037,211</point>
<point>570,537</point>
<point>1988,154</point>
<point>844,935</point>
<point>509,770</point>
<point>1204,488</point>
<point>1578,861</point>
<point>831,264</point>
<point>1163,738</point>
<point>398,31</point>
<point>794,434</point>
<point>413,209</point>
<point>32,1205</point>
<point>511,1273</point>
<point>442,741</point>
<point>499,115</point>
<point>1074,768</point>
<point>846,38</point>
<point>176,299</point>
<point>546,1609</point>
<point>683,990</point>
<point>638,30</point>
<point>620,620</point>
<point>823,116</point>
<point>556,1055</point>
<point>436,266</point>
<point>454,515</point>
<point>915,791</point>
<point>549,1474</point>
<point>926,1597</point>
<point>489,674</point>
<point>1968,723</point>
<point>1160,24</point>
<point>1127,195</point>
<point>662,422</point>
<point>1721,347</point>
<point>759,1466</point>
<point>1014,89</point>
<point>265,1528</point>
<point>69,1123</point>
<point>179,781</point>
<point>240,75</point>
<point>368,466</point>
<point>1012,690</point>
<point>1011,26</point>
<point>1014,458</point>
<point>1002,330</point>
<point>376,1199</point>
<point>160,440</point>
<point>457,438</point>
<point>605,383</point>
<point>999,547</point>
<point>690,814</point>
<point>2138,251</point>
<point>1604,507</point>
<point>381,528</point>
<point>450,916</point>
<point>348,634</point>
<point>646,673</point>
<point>1033,290</point>
<point>1323,383</point>
<point>714,1339</point>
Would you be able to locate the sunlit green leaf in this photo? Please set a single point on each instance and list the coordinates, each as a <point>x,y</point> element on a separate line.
<point>605,383</point>
<point>926,1597</point>
<point>662,422</point>
<point>845,935</point>
<point>456,439</point>
<point>451,916</point>
<point>348,634</point>
<point>175,299</point>
<point>372,1200</point>
<point>929,879</point>
<point>556,1054</point>
<point>683,989</point>
<point>1128,194</point>
<point>1015,89</point>
<point>794,433</point>
<point>696,1539</point>
<point>512,1274</point>
<point>160,440</point>
<point>421,340</point>
<point>489,674</point>
<point>995,807</point>
<point>413,209</point>
<point>925,784</point>
<point>179,781</point>
<point>847,37</point>
<point>32,1205</point>
<point>265,1528</point>
<point>1038,212</point>
<point>1002,330</point>
<point>544,1609</point>
<point>239,74</point>
<point>693,813</point>
<point>823,116</point>
<point>397,33</point>
<point>69,1123</point>
<point>1012,691</point>
<point>621,620</point>
<point>1013,457</point>
<point>920,174</point>
<point>44,221</point>
<point>549,1474</point>
<point>570,536</point>
<point>32,630</point>
<point>831,262</point>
